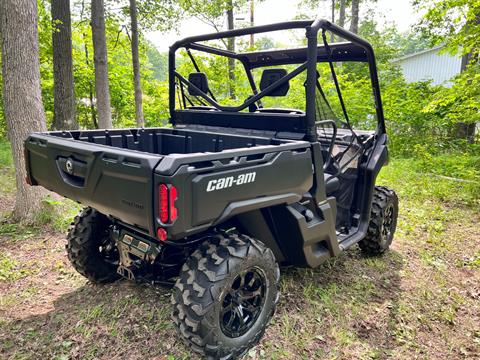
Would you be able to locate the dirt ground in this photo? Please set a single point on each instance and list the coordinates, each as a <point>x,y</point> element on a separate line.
<point>421,300</point>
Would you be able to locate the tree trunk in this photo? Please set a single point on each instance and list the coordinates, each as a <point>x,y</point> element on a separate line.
<point>252,22</point>
<point>136,65</point>
<point>467,130</point>
<point>22,96</point>
<point>101,65</point>
<point>354,20</point>
<point>63,89</point>
<point>93,114</point>
<point>341,15</point>
<point>231,47</point>
<point>332,37</point>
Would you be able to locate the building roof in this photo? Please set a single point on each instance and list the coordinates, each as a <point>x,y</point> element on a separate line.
<point>418,53</point>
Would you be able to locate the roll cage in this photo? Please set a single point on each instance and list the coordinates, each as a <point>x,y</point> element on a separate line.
<point>355,49</point>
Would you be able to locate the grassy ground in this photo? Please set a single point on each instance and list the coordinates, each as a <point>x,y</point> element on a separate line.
<point>420,300</point>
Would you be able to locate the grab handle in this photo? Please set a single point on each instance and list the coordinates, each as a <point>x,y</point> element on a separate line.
<point>72,171</point>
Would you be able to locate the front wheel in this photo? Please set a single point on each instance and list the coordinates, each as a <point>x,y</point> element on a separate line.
<point>383,222</point>
<point>226,295</point>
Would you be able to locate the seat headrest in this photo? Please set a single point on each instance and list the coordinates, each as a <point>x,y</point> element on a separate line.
<point>198,79</point>
<point>269,76</point>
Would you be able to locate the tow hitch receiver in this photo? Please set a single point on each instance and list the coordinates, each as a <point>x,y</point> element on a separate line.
<point>125,272</point>
<point>135,253</point>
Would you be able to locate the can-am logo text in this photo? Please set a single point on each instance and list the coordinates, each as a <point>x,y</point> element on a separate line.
<point>229,181</point>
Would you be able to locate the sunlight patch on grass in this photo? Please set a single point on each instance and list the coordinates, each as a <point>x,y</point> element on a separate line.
<point>19,297</point>
<point>11,269</point>
<point>58,212</point>
<point>14,232</point>
<point>418,182</point>
<point>472,262</point>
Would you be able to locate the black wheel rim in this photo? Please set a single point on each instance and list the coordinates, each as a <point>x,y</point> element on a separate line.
<point>243,302</point>
<point>388,221</point>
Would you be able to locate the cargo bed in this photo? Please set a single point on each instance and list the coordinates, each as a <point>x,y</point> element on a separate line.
<point>113,170</point>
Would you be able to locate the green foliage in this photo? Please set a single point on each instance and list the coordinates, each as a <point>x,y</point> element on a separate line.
<point>418,114</point>
<point>264,43</point>
<point>210,12</point>
<point>450,178</point>
<point>57,212</point>
<point>160,15</point>
<point>10,269</point>
<point>461,102</point>
<point>17,232</point>
<point>158,63</point>
<point>5,154</point>
<point>411,42</point>
<point>120,70</point>
<point>407,125</point>
<point>453,22</point>
<point>3,124</point>
<point>7,179</point>
<point>46,58</point>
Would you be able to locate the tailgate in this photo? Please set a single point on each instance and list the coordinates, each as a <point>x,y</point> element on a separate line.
<point>212,188</point>
<point>114,181</point>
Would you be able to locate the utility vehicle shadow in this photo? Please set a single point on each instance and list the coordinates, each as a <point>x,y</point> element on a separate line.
<point>118,321</point>
<point>128,320</point>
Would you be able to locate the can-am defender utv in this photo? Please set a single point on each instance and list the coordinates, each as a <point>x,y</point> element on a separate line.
<point>229,192</point>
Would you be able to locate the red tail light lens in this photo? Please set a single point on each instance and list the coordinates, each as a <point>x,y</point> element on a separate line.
<point>167,195</point>
<point>163,203</point>
<point>173,209</point>
<point>162,234</point>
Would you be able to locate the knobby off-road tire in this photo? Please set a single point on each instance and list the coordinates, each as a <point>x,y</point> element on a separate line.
<point>209,290</point>
<point>383,222</point>
<point>87,238</point>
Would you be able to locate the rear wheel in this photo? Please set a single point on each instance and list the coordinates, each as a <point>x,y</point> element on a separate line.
<point>226,295</point>
<point>383,222</point>
<point>90,248</point>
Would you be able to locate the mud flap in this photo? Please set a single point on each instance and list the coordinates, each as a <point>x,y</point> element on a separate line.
<point>307,242</point>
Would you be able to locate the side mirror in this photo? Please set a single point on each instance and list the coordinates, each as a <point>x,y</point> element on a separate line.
<point>200,81</point>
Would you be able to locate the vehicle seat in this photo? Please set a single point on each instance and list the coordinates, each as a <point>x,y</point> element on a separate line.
<point>332,183</point>
<point>269,77</point>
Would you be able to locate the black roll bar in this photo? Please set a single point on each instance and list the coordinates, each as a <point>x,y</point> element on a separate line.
<point>312,28</point>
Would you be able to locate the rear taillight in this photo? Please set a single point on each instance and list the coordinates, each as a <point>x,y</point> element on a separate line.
<point>172,198</point>
<point>163,203</point>
<point>162,234</point>
<point>167,195</point>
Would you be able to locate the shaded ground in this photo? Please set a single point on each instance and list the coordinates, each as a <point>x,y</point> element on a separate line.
<point>421,300</point>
